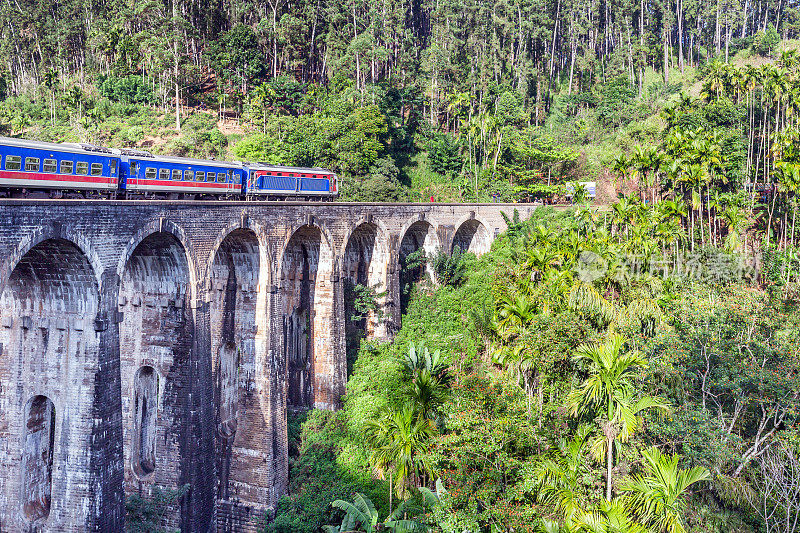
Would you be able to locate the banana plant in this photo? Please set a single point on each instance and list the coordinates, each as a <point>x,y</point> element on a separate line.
<point>361,516</point>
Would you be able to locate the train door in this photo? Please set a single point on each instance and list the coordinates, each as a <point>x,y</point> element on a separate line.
<point>115,171</point>
<point>122,182</point>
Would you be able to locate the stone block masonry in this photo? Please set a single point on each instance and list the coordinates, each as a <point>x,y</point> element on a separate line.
<point>149,345</point>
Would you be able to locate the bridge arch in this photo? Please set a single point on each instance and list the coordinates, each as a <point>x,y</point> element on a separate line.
<point>50,354</point>
<point>52,231</point>
<point>306,305</point>
<point>365,259</point>
<point>156,336</point>
<point>166,227</point>
<point>472,235</point>
<point>239,280</point>
<point>417,236</point>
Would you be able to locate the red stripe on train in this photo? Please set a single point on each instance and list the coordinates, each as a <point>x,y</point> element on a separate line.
<point>54,177</point>
<point>177,183</point>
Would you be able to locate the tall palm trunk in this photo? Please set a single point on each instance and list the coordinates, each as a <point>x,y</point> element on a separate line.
<point>711,239</point>
<point>609,465</point>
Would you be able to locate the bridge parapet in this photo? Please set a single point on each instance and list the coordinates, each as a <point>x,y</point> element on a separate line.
<point>157,344</point>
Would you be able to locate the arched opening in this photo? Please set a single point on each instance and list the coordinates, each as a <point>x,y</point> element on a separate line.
<point>37,457</point>
<point>307,306</point>
<point>155,345</point>
<point>47,311</point>
<point>473,237</point>
<point>239,282</point>
<point>364,275</point>
<point>418,242</point>
<point>145,415</point>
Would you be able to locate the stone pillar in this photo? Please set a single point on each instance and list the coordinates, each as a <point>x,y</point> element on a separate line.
<point>106,457</point>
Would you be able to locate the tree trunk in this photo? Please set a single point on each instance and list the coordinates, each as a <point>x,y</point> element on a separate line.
<point>609,465</point>
<point>275,39</point>
<point>666,55</point>
<point>744,19</point>
<point>641,46</point>
<point>177,71</point>
<point>679,14</point>
<point>571,68</point>
<point>717,36</point>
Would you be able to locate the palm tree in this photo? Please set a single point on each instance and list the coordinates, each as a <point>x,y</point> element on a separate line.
<point>736,219</point>
<point>514,312</point>
<point>485,322</point>
<point>51,82</point>
<point>656,498</point>
<point>428,388</point>
<point>398,441</point>
<point>621,166</point>
<point>559,476</point>
<point>673,209</point>
<point>604,517</point>
<point>584,297</point>
<point>541,259</point>
<point>75,99</point>
<point>263,95</point>
<point>608,394</point>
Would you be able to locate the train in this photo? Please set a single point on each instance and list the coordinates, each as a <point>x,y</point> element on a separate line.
<point>33,169</point>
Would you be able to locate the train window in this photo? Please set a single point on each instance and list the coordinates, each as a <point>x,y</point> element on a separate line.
<point>150,173</point>
<point>82,168</point>
<point>50,165</point>
<point>188,175</point>
<point>176,175</point>
<point>163,173</point>
<point>134,168</point>
<point>13,162</point>
<point>201,175</point>
<point>97,169</point>
<point>66,167</point>
<point>32,164</point>
<point>211,176</point>
<point>113,165</point>
<point>221,177</point>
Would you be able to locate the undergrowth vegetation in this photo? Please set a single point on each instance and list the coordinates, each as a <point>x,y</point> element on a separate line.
<point>570,382</point>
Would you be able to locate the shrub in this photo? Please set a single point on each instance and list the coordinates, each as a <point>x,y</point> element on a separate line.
<point>449,269</point>
<point>765,41</point>
<point>128,89</point>
<point>443,155</point>
<point>145,513</point>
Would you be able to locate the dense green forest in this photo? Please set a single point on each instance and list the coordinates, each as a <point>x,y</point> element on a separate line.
<point>456,100</point>
<point>625,365</point>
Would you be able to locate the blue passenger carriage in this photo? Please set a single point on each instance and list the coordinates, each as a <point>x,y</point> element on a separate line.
<point>272,182</point>
<point>32,168</point>
<point>39,169</point>
<point>143,174</point>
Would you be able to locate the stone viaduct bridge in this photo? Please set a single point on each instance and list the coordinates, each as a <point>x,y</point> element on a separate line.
<point>160,344</point>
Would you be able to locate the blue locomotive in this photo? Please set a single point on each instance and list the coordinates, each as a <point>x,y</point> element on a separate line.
<point>39,169</point>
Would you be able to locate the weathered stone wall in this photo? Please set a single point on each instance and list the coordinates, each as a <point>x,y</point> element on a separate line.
<point>160,344</point>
